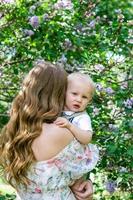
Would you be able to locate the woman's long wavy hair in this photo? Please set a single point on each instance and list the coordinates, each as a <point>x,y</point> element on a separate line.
<point>40,100</point>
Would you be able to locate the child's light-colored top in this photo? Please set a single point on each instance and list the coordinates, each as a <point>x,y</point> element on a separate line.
<point>80,119</point>
<point>50,180</point>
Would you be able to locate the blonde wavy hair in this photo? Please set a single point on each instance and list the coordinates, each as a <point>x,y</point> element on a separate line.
<point>40,100</point>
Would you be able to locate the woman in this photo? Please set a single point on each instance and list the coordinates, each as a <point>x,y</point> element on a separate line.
<point>39,159</point>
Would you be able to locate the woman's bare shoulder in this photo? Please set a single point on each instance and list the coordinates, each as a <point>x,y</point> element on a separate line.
<point>57,134</point>
<point>51,141</point>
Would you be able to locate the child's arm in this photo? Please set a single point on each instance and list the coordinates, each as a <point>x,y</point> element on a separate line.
<point>83,136</point>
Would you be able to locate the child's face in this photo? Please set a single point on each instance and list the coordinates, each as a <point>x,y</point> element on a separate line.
<point>78,95</point>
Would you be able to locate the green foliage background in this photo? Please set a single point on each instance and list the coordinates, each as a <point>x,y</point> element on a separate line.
<point>91,36</point>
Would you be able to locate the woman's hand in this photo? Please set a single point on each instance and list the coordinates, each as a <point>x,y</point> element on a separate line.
<point>83,190</point>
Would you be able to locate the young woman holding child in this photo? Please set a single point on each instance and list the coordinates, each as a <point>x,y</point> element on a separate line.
<point>41,160</point>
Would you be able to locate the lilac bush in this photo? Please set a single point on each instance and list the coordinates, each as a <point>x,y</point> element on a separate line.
<point>93,37</point>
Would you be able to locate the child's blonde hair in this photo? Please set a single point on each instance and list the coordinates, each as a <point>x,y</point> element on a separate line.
<point>83,77</point>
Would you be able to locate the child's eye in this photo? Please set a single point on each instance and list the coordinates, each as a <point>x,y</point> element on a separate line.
<point>85,97</point>
<point>74,93</point>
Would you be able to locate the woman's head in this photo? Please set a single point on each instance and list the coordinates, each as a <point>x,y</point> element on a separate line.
<point>44,91</point>
<point>40,100</point>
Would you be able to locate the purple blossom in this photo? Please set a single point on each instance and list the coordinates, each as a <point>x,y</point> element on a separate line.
<point>63,4</point>
<point>99,87</point>
<point>34,21</point>
<point>28,32</point>
<point>99,67</point>
<point>8,1</point>
<point>111,186</point>
<point>109,90</point>
<point>128,103</point>
<point>92,24</point>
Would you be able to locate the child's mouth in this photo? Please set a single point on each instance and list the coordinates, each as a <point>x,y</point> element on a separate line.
<point>76,106</point>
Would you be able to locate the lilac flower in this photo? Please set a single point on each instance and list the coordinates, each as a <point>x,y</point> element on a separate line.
<point>63,4</point>
<point>34,21</point>
<point>99,87</point>
<point>118,58</point>
<point>109,90</point>
<point>96,111</point>
<point>92,24</point>
<point>110,186</point>
<point>28,32</point>
<point>99,67</point>
<point>115,57</point>
<point>123,169</point>
<point>128,103</point>
<point>8,1</point>
<point>63,59</point>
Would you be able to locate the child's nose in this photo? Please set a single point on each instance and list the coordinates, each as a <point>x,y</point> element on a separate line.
<point>79,99</point>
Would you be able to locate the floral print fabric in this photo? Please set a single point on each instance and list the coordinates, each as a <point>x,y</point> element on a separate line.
<point>50,179</point>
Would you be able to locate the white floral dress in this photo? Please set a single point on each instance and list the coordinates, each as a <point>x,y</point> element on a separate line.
<point>50,179</point>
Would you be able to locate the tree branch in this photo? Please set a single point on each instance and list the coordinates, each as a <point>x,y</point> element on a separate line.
<point>14,62</point>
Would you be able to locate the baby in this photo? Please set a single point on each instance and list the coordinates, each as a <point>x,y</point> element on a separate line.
<point>79,94</point>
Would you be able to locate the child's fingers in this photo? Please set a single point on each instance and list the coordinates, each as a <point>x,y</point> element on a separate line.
<point>59,123</point>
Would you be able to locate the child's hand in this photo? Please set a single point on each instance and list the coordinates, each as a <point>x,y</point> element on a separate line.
<point>62,122</point>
